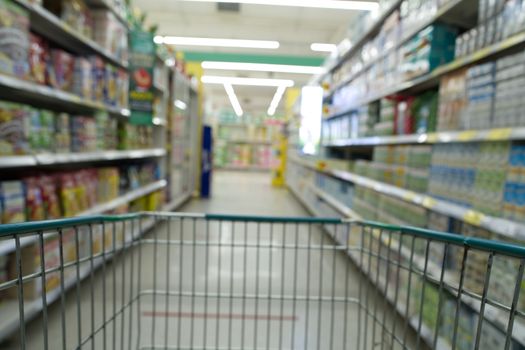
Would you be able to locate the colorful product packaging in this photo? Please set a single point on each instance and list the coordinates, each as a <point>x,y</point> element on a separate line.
<point>14,39</point>
<point>12,201</point>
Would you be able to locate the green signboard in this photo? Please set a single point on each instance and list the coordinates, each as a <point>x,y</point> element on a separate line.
<point>142,62</point>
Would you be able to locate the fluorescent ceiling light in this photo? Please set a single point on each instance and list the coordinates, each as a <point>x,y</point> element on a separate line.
<point>323,4</point>
<point>262,67</point>
<point>188,41</point>
<point>180,104</point>
<point>233,99</point>
<point>323,47</point>
<point>212,79</point>
<point>276,99</point>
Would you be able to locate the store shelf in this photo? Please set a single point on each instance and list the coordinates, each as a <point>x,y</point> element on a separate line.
<point>247,142</point>
<point>50,26</point>
<point>507,228</point>
<point>128,197</point>
<point>335,203</point>
<point>432,79</point>
<point>68,158</point>
<point>440,14</point>
<point>7,246</point>
<point>243,167</point>
<point>370,33</point>
<point>177,202</point>
<point>29,91</point>
<point>499,134</point>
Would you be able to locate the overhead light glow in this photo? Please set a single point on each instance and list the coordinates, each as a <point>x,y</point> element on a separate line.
<point>323,47</point>
<point>262,67</point>
<point>276,99</point>
<point>233,99</point>
<point>212,79</point>
<point>180,104</point>
<point>322,4</point>
<point>216,42</point>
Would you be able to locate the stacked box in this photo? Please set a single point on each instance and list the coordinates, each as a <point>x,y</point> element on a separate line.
<point>452,101</point>
<point>481,90</point>
<point>431,47</point>
<point>509,107</point>
<point>14,39</point>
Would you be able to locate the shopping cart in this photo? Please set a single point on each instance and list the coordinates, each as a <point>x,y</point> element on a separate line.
<point>192,281</point>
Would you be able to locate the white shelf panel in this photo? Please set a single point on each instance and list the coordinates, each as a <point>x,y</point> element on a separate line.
<point>504,227</point>
<point>128,197</point>
<point>498,134</point>
<point>31,91</point>
<point>67,158</point>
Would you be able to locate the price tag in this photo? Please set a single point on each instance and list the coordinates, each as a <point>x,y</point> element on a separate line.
<point>432,137</point>
<point>428,202</point>
<point>499,134</point>
<point>409,196</point>
<point>468,135</point>
<point>473,217</point>
<point>481,54</point>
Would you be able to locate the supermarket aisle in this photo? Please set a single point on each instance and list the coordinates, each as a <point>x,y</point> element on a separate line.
<point>222,284</point>
<point>236,192</point>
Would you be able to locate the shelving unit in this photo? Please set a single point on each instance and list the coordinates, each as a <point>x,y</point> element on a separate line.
<point>138,174</point>
<point>500,134</point>
<point>506,228</point>
<point>407,140</point>
<point>11,162</point>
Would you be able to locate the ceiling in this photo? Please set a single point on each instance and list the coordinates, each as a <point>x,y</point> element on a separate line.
<point>294,27</point>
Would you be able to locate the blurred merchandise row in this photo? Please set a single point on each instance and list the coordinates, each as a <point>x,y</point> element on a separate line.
<point>28,130</point>
<point>53,195</point>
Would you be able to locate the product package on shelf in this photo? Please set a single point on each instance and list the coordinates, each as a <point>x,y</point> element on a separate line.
<point>12,202</point>
<point>74,13</point>
<point>452,101</point>
<point>38,58</point>
<point>110,33</point>
<point>481,89</point>
<point>14,39</point>
<point>13,129</point>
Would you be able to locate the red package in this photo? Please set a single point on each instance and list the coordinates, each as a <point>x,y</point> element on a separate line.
<point>61,70</point>
<point>403,119</point>
<point>50,197</point>
<point>34,201</point>
<point>38,57</point>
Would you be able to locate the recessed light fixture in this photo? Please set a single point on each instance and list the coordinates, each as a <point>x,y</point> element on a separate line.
<point>323,47</point>
<point>276,99</point>
<point>233,99</point>
<point>263,67</point>
<point>323,4</point>
<point>212,79</point>
<point>216,42</point>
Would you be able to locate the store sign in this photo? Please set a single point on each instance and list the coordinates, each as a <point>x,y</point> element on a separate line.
<point>142,62</point>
